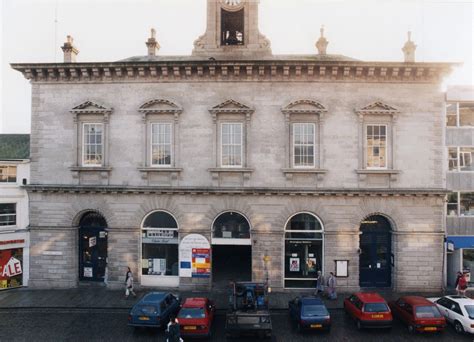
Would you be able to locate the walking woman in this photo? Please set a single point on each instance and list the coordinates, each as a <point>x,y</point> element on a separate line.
<point>129,284</point>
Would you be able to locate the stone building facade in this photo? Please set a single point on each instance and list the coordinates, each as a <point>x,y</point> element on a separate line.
<point>277,166</point>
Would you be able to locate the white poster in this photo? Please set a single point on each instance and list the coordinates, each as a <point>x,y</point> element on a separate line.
<point>92,241</point>
<point>294,264</point>
<point>88,272</point>
<point>186,246</point>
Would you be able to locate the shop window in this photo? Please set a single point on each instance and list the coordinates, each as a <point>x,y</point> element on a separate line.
<point>466,201</point>
<point>7,174</point>
<point>303,251</point>
<point>468,264</point>
<point>160,245</point>
<point>231,225</point>
<point>11,268</point>
<point>7,214</point>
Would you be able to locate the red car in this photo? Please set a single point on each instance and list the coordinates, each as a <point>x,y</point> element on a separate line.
<point>369,310</point>
<point>195,317</point>
<point>419,314</point>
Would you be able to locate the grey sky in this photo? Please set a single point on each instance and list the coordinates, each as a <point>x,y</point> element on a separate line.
<point>106,30</point>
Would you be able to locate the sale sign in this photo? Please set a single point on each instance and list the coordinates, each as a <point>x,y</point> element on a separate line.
<point>201,262</point>
<point>11,268</point>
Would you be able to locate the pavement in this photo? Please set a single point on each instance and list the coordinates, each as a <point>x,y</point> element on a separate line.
<point>103,298</point>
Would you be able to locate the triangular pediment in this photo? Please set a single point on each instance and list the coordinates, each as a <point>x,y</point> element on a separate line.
<point>378,107</point>
<point>231,106</point>
<point>304,106</point>
<point>160,106</point>
<point>90,107</point>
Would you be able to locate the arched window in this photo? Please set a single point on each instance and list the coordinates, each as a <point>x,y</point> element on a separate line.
<point>159,246</point>
<point>231,225</point>
<point>303,250</point>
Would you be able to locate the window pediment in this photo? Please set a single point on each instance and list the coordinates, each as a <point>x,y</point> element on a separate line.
<point>231,107</point>
<point>378,108</point>
<point>160,106</point>
<point>90,107</point>
<point>304,107</point>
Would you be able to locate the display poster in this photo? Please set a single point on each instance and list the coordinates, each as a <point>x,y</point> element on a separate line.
<point>201,262</point>
<point>342,268</point>
<point>187,245</point>
<point>92,241</point>
<point>88,273</point>
<point>158,266</point>
<point>11,268</point>
<point>311,264</point>
<point>294,264</point>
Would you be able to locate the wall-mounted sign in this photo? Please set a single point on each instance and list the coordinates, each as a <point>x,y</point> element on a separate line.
<point>186,264</point>
<point>11,268</point>
<point>160,236</point>
<point>88,273</point>
<point>342,268</point>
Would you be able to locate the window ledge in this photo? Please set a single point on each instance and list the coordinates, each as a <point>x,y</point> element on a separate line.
<point>363,173</point>
<point>92,168</point>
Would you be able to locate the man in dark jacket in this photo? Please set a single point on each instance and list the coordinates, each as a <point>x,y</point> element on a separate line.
<point>174,334</point>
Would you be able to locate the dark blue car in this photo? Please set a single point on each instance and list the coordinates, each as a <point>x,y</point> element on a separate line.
<point>309,313</point>
<point>154,310</point>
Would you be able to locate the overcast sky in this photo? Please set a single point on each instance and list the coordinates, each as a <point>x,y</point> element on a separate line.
<point>110,30</point>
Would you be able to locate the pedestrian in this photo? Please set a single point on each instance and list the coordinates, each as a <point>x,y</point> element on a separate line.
<point>129,284</point>
<point>462,285</point>
<point>458,275</point>
<point>319,283</point>
<point>172,331</point>
<point>331,284</point>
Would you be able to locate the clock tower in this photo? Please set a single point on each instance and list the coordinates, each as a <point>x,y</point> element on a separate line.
<point>232,31</point>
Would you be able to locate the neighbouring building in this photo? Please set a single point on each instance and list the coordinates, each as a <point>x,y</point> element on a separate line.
<point>234,163</point>
<point>460,182</point>
<point>14,235</point>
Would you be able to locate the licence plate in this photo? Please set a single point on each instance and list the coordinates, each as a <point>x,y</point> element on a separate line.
<point>144,318</point>
<point>316,325</point>
<point>190,327</point>
<point>430,329</point>
<point>377,316</point>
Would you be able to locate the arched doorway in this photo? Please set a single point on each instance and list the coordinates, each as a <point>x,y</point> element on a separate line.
<point>231,249</point>
<point>159,250</point>
<point>92,247</point>
<point>303,250</point>
<point>375,260</point>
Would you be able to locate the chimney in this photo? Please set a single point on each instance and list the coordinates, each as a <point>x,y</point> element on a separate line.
<point>322,43</point>
<point>409,49</point>
<point>152,44</point>
<point>70,51</point>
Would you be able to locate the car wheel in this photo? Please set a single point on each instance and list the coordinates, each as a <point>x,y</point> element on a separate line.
<point>458,327</point>
<point>359,325</point>
<point>411,329</point>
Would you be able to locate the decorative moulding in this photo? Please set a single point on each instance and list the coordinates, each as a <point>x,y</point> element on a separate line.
<point>172,171</point>
<point>363,173</point>
<point>231,107</point>
<point>160,106</point>
<point>90,107</point>
<point>246,172</point>
<point>304,171</point>
<point>378,108</point>
<point>304,107</point>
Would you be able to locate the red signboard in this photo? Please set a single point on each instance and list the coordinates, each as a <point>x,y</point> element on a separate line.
<point>11,268</point>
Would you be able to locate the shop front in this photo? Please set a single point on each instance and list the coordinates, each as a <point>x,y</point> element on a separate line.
<point>460,257</point>
<point>160,250</point>
<point>14,256</point>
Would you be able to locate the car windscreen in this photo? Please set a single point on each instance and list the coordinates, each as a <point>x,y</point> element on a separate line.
<point>470,310</point>
<point>191,313</point>
<point>314,310</point>
<point>430,311</point>
<point>376,307</point>
<point>145,310</point>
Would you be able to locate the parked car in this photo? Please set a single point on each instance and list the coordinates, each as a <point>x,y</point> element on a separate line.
<point>369,310</point>
<point>196,316</point>
<point>457,310</point>
<point>309,313</point>
<point>418,313</point>
<point>154,310</point>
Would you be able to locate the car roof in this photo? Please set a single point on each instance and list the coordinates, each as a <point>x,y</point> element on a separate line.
<point>195,302</point>
<point>311,301</point>
<point>416,300</point>
<point>461,299</point>
<point>153,297</point>
<point>370,297</point>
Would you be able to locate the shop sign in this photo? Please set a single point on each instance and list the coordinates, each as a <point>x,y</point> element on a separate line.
<point>160,236</point>
<point>11,270</point>
<point>201,263</point>
<point>191,262</point>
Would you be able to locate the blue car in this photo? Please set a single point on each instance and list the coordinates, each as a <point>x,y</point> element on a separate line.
<point>309,313</point>
<point>154,310</point>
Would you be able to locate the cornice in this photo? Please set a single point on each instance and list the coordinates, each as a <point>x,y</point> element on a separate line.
<point>150,190</point>
<point>239,70</point>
